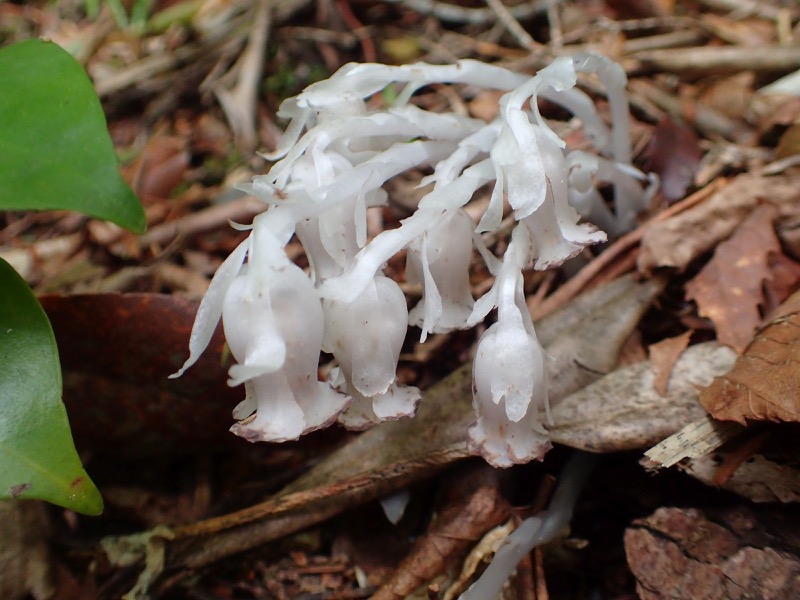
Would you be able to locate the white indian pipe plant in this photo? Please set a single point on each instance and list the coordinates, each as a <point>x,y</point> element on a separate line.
<point>334,160</point>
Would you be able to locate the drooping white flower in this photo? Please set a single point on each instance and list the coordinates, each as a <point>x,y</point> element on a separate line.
<point>366,336</point>
<point>510,383</point>
<point>274,327</point>
<point>439,260</point>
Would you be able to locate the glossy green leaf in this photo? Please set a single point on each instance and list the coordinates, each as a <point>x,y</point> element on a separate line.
<point>55,150</point>
<point>37,456</point>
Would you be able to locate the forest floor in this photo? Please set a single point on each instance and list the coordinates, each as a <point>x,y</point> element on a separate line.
<point>191,89</point>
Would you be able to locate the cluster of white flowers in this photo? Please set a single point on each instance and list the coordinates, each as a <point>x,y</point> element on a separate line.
<point>335,158</point>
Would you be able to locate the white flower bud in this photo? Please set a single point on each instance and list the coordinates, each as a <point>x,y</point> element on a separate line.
<point>366,336</point>
<point>274,326</point>
<point>509,378</point>
<point>440,261</point>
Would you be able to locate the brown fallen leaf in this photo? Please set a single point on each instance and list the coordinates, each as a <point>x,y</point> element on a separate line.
<point>731,96</point>
<point>664,355</point>
<point>116,352</point>
<point>160,168</point>
<point>729,290</point>
<point>784,279</point>
<point>735,553</point>
<point>674,155</point>
<point>789,144</point>
<point>677,241</point>
<point>764,381</point>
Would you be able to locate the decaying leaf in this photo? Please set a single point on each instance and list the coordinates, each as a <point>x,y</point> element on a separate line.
<point>119,399</point>
<point>789,144</point>
<point>664,355</point>
<point>758,479</point>
<point>731,96</point>
<point>764,382</point>
<point>734,553</point>
<point>674,155</point>
<point>730,288</point>
<point>677,241</point>
<point>784,279</point>
<point>623,410</point>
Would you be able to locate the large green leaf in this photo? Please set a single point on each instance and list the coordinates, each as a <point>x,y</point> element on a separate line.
<point>37,456</point>
<point>55,150</point>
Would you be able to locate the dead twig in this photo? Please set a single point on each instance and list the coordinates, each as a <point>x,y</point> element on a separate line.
<point>707,120</point>
<point>718,60</point>
<point>512,25</point>
<point>453,13</point>
<point>475,507</point>
<point>744,8</point>
<point>239,103</point>
<point>350,19</point>
<point>204,220</point>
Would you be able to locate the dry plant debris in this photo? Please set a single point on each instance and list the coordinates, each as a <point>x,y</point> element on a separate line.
<point>763,383</point>
<point>734,553</point>
<point>191,87</point>
<point>730,288</point>
<point>664,355</point>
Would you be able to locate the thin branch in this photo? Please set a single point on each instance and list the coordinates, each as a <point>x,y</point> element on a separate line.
<point>512,25</point>
<point>239,104</point>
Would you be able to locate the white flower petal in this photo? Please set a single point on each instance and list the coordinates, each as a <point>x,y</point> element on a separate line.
<point>210,310</point>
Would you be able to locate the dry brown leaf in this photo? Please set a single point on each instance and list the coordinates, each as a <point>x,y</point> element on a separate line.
<point>129,406</point>
<point>789,144</point>
<point>730,288</point>
<point>764,381</point>
<point>733,553</point>
<point>674,154</point>
<point>664,355</point>
<point>731,96</point>
<point>677,241</point>
<point>784,279</point>
<point>160,168</point>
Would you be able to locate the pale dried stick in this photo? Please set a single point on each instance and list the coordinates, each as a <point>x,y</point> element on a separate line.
<point>512,25</point>
<point>239,103</point>
<point>719,60</point>
<point>241,210</point>
<point>765,10</point>
<point>707,120</point>
<point>472,16</point>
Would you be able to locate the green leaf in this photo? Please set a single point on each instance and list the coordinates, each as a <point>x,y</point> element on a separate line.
<point>55,150</point>
<point>37,456</point>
